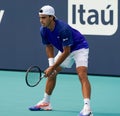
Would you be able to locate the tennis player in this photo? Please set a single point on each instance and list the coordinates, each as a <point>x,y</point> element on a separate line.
<point>73,48</point>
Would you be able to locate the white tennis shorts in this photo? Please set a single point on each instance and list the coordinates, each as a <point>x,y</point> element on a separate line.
<point>79,57</point>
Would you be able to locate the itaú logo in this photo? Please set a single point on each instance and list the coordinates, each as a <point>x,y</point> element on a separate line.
<point>1,15</point>
<point>93,17</point>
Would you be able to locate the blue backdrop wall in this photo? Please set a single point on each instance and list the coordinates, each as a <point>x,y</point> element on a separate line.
<point>20,41</point>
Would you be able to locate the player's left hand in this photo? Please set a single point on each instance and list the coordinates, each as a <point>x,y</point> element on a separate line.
<point>49,72</point>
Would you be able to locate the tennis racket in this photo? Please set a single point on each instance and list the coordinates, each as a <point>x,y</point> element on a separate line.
<point>33,76</point>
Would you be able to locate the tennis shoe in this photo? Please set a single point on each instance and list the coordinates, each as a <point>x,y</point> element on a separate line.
<point>41,106</point>
<point>86,111</point>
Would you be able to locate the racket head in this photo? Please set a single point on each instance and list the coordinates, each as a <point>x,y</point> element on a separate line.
<point>33,76</point>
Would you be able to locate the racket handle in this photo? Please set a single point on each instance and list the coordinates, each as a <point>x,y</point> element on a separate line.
<point>54,72</point>
<point>43,76</point>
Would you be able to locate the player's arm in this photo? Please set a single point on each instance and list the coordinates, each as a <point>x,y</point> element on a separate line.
<point>49,51</point>
<point>50,54</point>
<point>56,65</point>
<point>62,57</point>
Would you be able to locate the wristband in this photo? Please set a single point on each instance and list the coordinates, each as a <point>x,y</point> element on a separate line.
<point>51,61</point>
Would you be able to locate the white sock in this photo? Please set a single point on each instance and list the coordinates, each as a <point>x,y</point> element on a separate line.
<point>87,101</point>
<point>46,98</point>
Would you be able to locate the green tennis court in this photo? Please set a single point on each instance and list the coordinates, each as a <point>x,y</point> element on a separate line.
<point>16,96</point>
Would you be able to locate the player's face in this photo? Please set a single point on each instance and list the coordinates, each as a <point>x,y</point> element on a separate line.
<point>45,20</point>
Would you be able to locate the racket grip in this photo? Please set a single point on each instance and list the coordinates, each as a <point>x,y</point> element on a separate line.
<point>54,72</point>
<point>43,76</point>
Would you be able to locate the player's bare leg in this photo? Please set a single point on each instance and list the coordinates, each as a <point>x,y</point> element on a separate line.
<point>51,82</point>
<point>44,104</point>
<point>86,90</point>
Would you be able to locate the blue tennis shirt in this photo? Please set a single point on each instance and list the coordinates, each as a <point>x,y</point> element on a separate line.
<point>63,35</point>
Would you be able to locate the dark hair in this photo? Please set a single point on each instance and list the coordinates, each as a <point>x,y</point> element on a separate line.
<point>52,16</point>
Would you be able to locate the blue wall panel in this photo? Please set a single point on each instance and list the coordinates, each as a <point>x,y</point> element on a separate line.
<point>20,41</point>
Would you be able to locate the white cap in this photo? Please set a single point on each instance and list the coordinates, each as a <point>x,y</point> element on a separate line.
<point>47,10</point>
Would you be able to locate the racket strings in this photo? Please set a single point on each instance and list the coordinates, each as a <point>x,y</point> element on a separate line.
<point>33,76</point>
